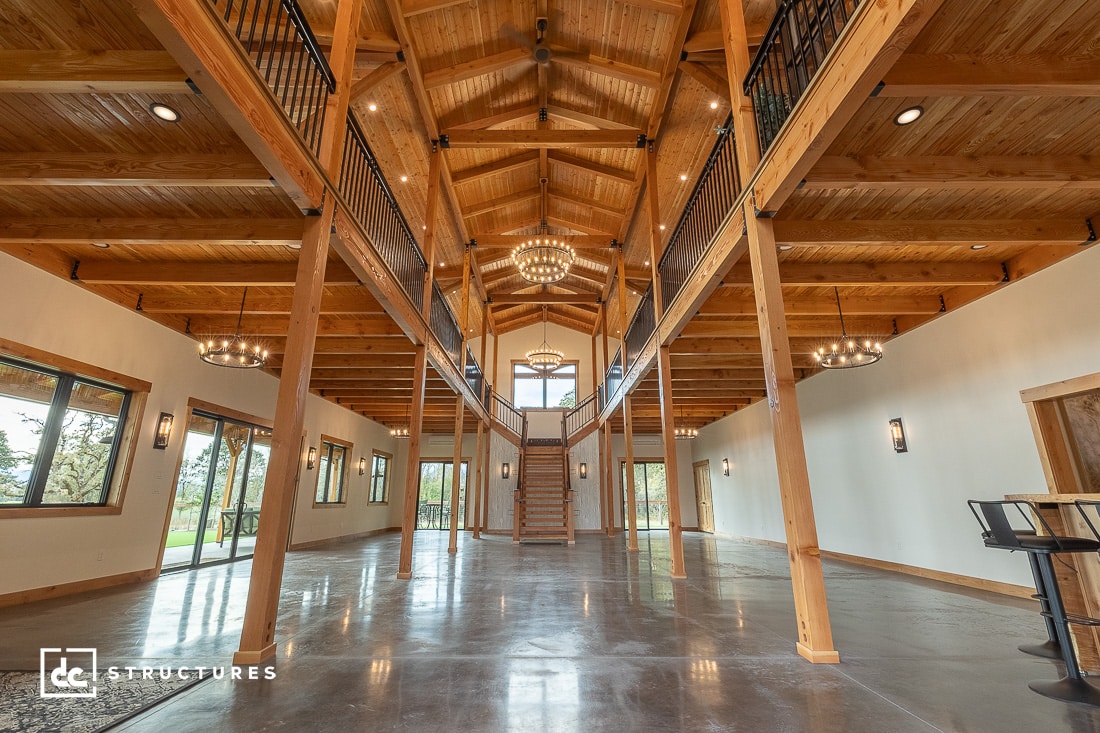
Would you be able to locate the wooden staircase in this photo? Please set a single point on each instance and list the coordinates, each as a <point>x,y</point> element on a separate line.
<point>543,506</point>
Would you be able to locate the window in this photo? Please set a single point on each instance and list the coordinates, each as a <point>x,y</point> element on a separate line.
<point>331,471</point>
<point>379,477</point>
<point>534,388</point>
<point>59,436</point>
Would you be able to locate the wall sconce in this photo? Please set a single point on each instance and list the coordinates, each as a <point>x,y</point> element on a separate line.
<point>505,470</point>
<point>164,431</point>
<point>584,470</point>
<point>897,434</point>
<point>362,465</point>
<point>311,459</point>
<point>725,467</point>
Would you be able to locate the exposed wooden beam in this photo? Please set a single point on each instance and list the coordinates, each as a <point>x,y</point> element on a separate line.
<point>270,274</point>
<point>277,325</point>
<point>877,274</point>
<point>542,138</point>
<point>606,67</point>
<point>714,82</point>
<point>1030,75</point>
<point>508,241</point>
<point>724,302</point>
<point>591,121</point>
<point>504,165</point>
<point>91,72</point>
<point>127,169</point>
<point>372,80</point>
<point>587,166</point>
<point>516,113</point>
<point>560,221</point>
<point>587,202</point>
<point>152,231</point>
<point>358,302</point>
<point>478,67</point>
<point>415,7</point>
<point>709,337</point>
<point>1004,171</point>
<point>931,232</point>
<point>662,6</point>
<point>365,346</point>
<point>501,202</point>
<point>544,298</point>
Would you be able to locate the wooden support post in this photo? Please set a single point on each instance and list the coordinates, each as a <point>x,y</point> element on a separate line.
<point>434,184</point>
<point>262,606</point>
<point>631,509</point>
<point>460,404</point>
<point>596,371</point>
<point>815,639</point>
<point>412,464</point>
<point>265,585</point>
<point>606,469</point>
<point>664,374</point>
<point>609,479</point>
<point>480,459</point>
<point>489,443</point>
<point>736,40</point>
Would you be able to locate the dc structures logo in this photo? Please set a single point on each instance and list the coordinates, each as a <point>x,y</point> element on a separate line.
<point>69,672</point>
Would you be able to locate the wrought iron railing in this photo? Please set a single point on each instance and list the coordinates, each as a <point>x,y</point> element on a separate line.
<point>277,39</point>
<point>800,36</point>
<point>372,202</point>
<point>444,325</point>
<point>473,375</point>
<point>507,415</point>
<point>579,417</point>
<point>711,201</point>
<point>613,378</point>
<point>641,328</point>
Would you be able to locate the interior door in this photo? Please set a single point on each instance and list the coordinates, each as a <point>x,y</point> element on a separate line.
<point>701,471</point>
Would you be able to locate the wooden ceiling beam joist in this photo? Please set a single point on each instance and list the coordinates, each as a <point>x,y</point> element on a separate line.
<point>587,202</point>
<point>374,79</point>
<point>499,203</point>
<point>954,75</point>
<point>543,138</point>
<point>366,346</point>
<point>606,67</point>
<point>415,7</point>
<point>229,232</point>
<point>564,223</point>
<point>478,67</point>
<point>725,304</point>
<point>368,41</point>
<point>509,241</point>
<point>590,121</point>
<point>960,232</point>
<point>587,166</point>
<point>731,361</point>
<point>711,80</point>
<point>126,169</point>
<point>274,325</point>
<point>876,274</point>
<point>697,332</point>
<point>91,72</point>
<point>340,361</point>
<point>673,7</point>
<point>359,302</point>
<point>504,165</point>
<point>1000,172</point>
<point>544,299</point>
<point>268,274</point>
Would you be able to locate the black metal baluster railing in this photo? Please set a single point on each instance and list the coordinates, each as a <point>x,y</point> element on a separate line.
<point>277,39</point>
<point>444,325</point>
<point>473,375</point>
<point>641,327</point>
<point>613,378</point>
<point>711,201</point>
<point>507,415</point>
<point>580,416</point>
<point>374,206</point>
<point>799,38</point>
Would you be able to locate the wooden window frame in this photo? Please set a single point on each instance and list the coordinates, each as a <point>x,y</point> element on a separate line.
<point>565,362</point>
<point>344,488</point>
<point>385,478</point>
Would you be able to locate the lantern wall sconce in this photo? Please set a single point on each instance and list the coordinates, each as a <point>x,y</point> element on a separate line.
<point>725,467</point>
<point>362,465</point>
<point>505,470</point>
<point>164,431</point>
<point>584,470</point>
<point>311,459</point>
<point>897,435</point>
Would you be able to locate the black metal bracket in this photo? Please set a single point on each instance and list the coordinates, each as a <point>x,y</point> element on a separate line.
<point>192,85</point>
<point>758,212</point>
<point>641,141</point>
<point>489,300</point>
<point>72,272</point>
<point>543,114</point>
<point>801,185</point>
<point>943,305</point>
<point>141,296</point>
<point>878,89</point>
<point>311,212</point>
<point>895,333</point>
<point>616,244</point>
<point>400,55</point>
<point>187,326</point>
<point>443,142</point>
<point>473,243</point>
<point>1004,269</point>
<point>1092,233</point>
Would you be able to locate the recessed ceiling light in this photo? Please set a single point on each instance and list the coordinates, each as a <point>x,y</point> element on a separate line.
<point>372,107</point>
<point>164,112</point>
<point>714,105</point>
<point>978,246</point>
<point>442,264</point>
<point>683,176</point>
<point>101,245</point>
<point>661,227</point>
<point>647,263</point>
<point>294,245</point>
<point>404,179</point>
<point>909,116</point>
<point>423,226</point>
<point>785,247</point>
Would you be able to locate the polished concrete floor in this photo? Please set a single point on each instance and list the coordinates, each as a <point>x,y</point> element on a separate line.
<point>550,638</point>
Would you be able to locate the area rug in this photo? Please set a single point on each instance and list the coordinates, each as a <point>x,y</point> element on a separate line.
<point>23,711</point>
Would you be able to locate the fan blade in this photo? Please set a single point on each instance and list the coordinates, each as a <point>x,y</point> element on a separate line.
<point>521,39</point>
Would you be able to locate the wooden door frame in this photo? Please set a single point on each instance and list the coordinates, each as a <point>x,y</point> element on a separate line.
<point>710,495</point>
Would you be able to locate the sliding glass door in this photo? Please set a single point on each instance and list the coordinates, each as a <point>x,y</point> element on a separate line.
<point>216,511</point>
<point>434,495</point>
<point>650,494</point>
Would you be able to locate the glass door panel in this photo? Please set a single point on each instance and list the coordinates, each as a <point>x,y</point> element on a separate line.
<point>650,494</point>
<point>434,499</point>
<point>190,502</point>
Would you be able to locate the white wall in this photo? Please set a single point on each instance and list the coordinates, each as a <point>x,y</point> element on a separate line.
<point>575,345</point>
<point>48,313</point>
<point>955,382</point>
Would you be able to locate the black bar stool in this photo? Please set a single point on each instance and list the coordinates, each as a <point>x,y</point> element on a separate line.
<point>998,532</point>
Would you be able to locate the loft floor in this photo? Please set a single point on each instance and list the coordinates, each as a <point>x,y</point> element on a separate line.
<point>548,638</point>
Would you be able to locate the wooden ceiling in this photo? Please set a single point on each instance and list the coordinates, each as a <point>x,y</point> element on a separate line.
<point>1004,158</point>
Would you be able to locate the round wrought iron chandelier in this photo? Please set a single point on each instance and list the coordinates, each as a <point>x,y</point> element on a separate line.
<point>683,432</point>
<point>847,352</point>
<point>233,351</point>
<point>543,259</point>
<point>543,357</point>
<point>402,431</point>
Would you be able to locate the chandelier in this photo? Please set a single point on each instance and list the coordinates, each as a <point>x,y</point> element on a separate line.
<point>233,351</point>
<point>683,432</point>
<point>543,259</point>
<point>847,352</point>
<point>403,431</point>
<point>544,358</point>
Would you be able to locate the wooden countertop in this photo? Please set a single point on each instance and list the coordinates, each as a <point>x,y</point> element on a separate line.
<point>1051,498</point>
